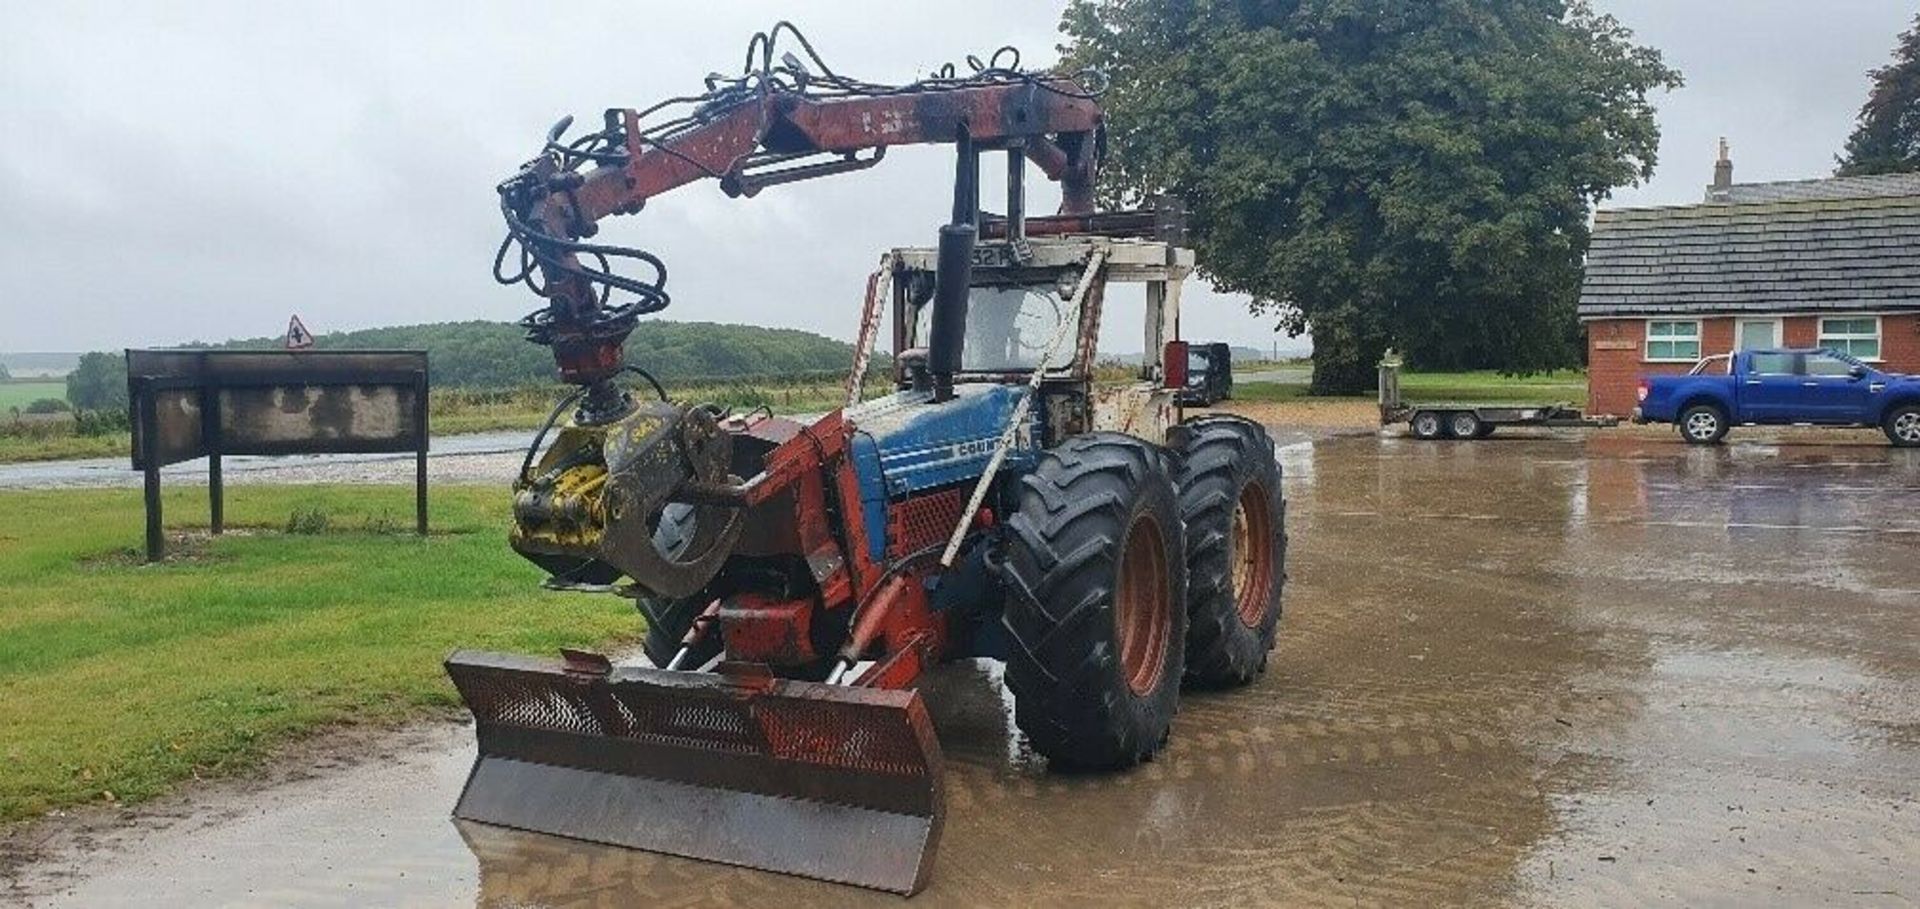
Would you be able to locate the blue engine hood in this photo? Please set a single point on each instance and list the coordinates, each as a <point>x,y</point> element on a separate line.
<point>905,444</point>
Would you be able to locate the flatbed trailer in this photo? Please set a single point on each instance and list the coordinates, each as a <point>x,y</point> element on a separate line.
<point>1438,420</point>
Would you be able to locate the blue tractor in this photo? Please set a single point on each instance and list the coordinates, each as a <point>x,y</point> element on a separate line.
<point>1004,499</point>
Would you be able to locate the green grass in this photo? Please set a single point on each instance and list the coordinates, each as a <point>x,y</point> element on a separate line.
<point>123,678</point>
<point>21,392</point>
<point>1442,387</point>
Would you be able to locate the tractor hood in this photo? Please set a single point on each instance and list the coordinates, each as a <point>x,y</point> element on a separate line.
<point>906,445</point>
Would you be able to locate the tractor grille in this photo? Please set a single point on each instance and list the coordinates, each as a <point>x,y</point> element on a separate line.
<point>923,521</point>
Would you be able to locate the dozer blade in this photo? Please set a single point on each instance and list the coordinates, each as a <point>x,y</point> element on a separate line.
<point>823,781</point>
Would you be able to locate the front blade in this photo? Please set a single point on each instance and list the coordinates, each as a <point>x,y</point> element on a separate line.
<point>823,781</point>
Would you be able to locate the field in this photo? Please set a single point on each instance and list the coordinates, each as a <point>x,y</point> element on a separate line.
<point>119,679</point>
<point>19,393</point>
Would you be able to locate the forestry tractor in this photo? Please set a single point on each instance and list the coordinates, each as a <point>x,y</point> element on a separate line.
<point>799,576</point>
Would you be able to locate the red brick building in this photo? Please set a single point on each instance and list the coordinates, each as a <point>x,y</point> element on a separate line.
<point>1809,263</point>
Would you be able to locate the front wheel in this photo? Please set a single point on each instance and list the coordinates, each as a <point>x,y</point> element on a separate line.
<point>1703,424</point>
<point>1096,603</point>
<point>1236,515</point>
<point>1903,426</point>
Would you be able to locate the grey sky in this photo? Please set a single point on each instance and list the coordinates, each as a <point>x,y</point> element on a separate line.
<point>200,170</point>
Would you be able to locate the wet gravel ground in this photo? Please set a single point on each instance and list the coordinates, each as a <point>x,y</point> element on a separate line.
<point>1550,670</point>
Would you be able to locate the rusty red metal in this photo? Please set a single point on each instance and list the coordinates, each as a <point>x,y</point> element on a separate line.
<point>923,521</point>
<point>790,124</point>
<point>737,767</point>
<point>768,630</point>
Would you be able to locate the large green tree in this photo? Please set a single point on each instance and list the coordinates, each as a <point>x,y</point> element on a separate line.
<point>1382,172</point>
<point>98,382</point>
<point>1886,140</point>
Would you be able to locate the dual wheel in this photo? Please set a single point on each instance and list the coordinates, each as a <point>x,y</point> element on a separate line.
<point>1130,569</point>
<point>1459,424</point>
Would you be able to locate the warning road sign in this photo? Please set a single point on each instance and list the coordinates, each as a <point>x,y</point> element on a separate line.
<point>298,338</point>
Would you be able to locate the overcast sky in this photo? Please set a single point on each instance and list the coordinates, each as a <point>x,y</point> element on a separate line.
<point>201,170</point>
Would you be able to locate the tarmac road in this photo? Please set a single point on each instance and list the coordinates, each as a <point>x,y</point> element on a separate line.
<point>1561,670</point>
<point>474,457</point>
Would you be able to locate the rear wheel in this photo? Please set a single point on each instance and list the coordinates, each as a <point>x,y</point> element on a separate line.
<point>1095,610</point>
<point>1903,426</point>
<point>1703,424</point>
<point>1427,425</point>
<point>1464,425</point>
<point>1235,515</point>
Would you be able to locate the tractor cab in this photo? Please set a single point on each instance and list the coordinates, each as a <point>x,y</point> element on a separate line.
<point>1032,319</point>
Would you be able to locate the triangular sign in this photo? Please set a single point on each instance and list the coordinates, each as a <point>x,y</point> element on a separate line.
<point>298,337</point>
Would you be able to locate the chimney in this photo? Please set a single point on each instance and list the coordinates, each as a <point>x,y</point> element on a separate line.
<point>1722,188</point>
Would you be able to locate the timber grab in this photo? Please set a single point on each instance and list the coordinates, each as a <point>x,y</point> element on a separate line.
<point>798,578</point>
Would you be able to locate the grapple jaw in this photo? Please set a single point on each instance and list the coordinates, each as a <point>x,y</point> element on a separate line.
<point>592,508</point>
<point>823,781</point>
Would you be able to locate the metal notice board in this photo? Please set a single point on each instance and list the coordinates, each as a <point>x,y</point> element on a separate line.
<point>187,404</point>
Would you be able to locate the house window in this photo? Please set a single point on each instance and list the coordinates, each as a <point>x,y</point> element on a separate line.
<point>1856,337</point>
<point>1677,342</point>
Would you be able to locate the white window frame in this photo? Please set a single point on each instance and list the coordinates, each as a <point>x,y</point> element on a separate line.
<point>1699,345</point>
<point>1740,332</point>
<point>1823,339</point>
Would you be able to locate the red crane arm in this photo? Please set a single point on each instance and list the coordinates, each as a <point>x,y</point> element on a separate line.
<point>753,142</point>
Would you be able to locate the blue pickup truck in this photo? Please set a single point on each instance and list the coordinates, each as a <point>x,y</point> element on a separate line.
<point>1779,388</point>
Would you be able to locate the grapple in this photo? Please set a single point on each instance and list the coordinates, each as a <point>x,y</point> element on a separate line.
<point>824,781</point>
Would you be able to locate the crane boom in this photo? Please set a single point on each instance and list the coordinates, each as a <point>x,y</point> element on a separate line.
<point>749,138</point>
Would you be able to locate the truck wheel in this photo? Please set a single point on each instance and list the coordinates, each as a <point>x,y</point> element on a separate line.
<point>1096,597</point>
<point>1903,426</point>
<point>1464,425</point>
<point>1428,426</point>
<point>1235,513</point>
<point>1486,431</point>
<point>1703,424</point>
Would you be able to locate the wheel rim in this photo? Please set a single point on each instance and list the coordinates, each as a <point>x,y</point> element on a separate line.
<point>1143,611</point>
<point>1907,426</point>
<point>1465,426</point>
<point>1702,425</point>
<point>1252,555</point>
<point>1426,425</point>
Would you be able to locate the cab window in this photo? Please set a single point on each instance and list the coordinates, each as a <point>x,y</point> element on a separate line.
<point>1825,364</point>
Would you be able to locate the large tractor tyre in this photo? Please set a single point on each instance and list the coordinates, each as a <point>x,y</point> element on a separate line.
<point>669,620</point>
<point>1235,513</point>
<point>1096,597</point>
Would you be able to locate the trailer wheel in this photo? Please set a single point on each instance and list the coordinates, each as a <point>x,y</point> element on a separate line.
<point>1486,431</point>
<point>1095,611</point>
<point>1427,426</point>
<point>1903,426</point>
<point>1464,424</point>
<point>1235,512</point>
<point>1703,424</point>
